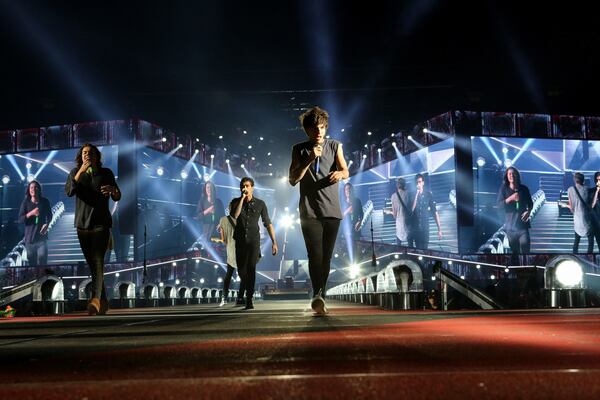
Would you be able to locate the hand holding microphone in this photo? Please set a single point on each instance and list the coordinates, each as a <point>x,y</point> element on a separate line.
<point>317,151</point>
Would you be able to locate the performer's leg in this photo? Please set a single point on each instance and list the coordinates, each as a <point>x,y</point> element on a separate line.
<point>576,244</point>
<point>312,230</point>
<point>330,231</point>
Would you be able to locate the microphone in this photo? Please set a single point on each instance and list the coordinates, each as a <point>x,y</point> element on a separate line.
<point>318,159</point>
<point>517,202</point>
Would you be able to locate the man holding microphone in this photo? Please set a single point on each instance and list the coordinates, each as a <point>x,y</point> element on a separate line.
<point>247,210</point>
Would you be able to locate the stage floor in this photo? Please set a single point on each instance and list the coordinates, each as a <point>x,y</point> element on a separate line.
<point>280,350</point>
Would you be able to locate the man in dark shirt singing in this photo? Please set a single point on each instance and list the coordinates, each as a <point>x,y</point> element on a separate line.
<point>247,210</point>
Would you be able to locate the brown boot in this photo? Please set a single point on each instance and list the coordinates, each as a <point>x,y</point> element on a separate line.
<point>93,306</point>
<point>103,307</point>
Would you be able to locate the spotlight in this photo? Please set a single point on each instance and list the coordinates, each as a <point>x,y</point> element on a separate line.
<point>6,179</point>
<point>393,134</point>
<point>174,264</point>
<point>379,150</point>
<point>450,262</point>
<point>160,171</point>
<point>212,156</point>
<point>568,273</point>
<point>253,158</point>
<point>480,161</point>
<point>270,174</point>
<point>161,284</point>
<point>250,147</point>
<point>284,179</point>
<point>197,261</point>
<point>270,164</point>
<point>220,136</point>
<point>366,146</point>
<point>30,178</point>
<point>180,145</point>
<point>369,133</point>
<point>492,277</point>
<point>201,280</point>
<point>433,277</point>
<point>342,130</point>
<point>197,140</point>
<point>354,270</point>
<point>269,153</point>
<point>409,137</point>
<point>73,286</point>
<point>242,166</point>
<point>177,281</point>
<point>504,150</point>
<point>286,221</point>
<point>394,144</point>
<point>261,138</point>
<point>478,266</point>
<point>364,156</point>
<point>28,165</point>
<point>196,151</point>
<point>506,270</point>
<point>227,161</point>
<point>216,266</point>
<point>239,279</point>
<point>462,277</point>
<point>164,139</point>
<point>184,175</point>
<point>336,255</point>
<point>425,130</point>
<point>117,274</point>
<point>350,163</point>
<point>327,136</point>
<point>219,279</point>
<point>245,132</point>
<point>420,258</point>
<point>396,256</point>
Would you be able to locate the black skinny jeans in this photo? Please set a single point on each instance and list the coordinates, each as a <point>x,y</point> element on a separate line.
<point>227,283</point>
<point>246,257</point>
<point>520,243</point>
<point>319,237</point>
<point>590,248</point>
<point>93,244</point>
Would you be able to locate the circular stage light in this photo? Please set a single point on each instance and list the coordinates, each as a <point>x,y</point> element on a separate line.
<point>480,161</point>
<point>6,179</point>
<point>160,171</point>
<point>569,273</point>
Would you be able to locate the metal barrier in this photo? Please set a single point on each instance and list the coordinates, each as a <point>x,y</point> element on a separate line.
<point>149,295</point>
<point>124,294</point>
<point>49,295</point>
<point>168,295</point>
<point>185,295</point>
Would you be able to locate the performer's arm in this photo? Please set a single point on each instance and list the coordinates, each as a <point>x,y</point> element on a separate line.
<point>342,168</point>
<point>299,167</point>
<point>264,215</point>
<point>595,199</point>
<point>238,208</point>
<point>222,233</point>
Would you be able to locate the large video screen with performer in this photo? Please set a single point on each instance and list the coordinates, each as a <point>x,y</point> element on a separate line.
<point>56,241</point>
<point>535,195</point>
<point>181,202</point>
<point>410,201</point>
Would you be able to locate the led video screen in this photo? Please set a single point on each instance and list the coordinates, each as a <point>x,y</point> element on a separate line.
<point>406,200</point>
<point>181,202</point>
<point>549,211</point>
<point>50,169</point>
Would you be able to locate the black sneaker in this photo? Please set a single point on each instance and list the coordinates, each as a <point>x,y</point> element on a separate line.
<point>249,305</point>
<point>240,302</point>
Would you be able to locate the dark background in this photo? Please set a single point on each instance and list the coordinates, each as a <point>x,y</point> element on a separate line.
<point>210,68</point>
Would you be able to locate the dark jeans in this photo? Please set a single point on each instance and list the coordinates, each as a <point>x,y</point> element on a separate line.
<point>93,244</point>
<point>319,237</point>
<point>37,253</point>
<point>519,243</point>
<point>227,282</point>
<point>246,257</point>
<point>419,239</point>
<point>590,239</point>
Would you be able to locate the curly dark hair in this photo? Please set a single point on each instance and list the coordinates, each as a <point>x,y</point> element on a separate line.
<point>314,117</point>
<point>79,158</point>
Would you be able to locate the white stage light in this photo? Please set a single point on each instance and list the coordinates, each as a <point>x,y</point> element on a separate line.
<point>160,171</point>
<point>354,270</point>
<point>569,273</point>
<point>480,161</point>
<point>6,179</point>
<point>184,175</point>
<point>177,281</point>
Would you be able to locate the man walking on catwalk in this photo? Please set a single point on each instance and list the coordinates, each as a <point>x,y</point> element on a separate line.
<point>247,210</point>
<point>318,165</point>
